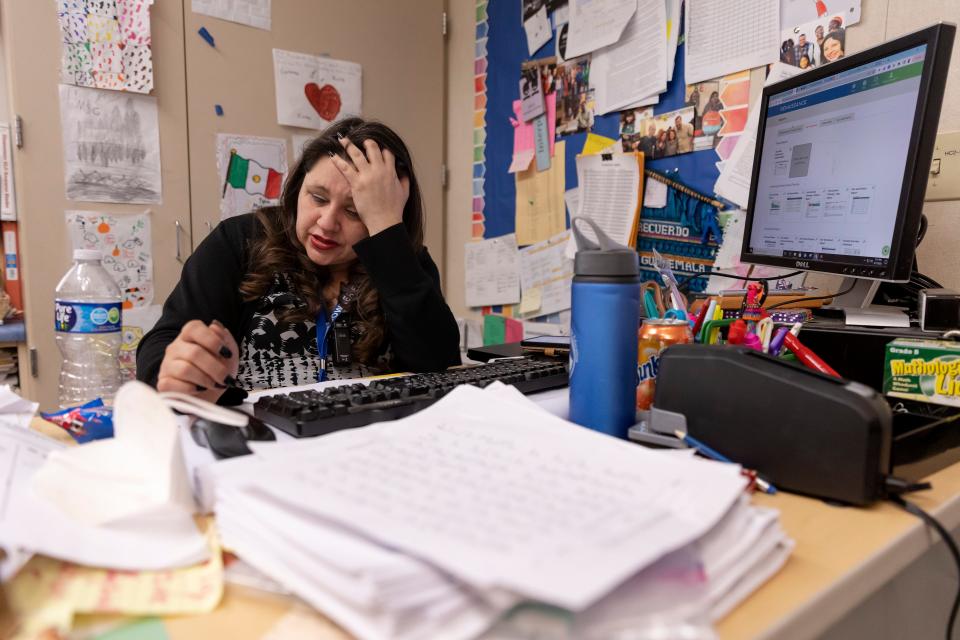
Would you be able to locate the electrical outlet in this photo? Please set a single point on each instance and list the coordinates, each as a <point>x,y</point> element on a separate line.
<point>944,180</point>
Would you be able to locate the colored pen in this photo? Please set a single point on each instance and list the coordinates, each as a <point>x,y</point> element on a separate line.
<point>703,449</point>
<point>717,315</point>
<point>806,356</point>
<point>764,333</point>
<point>700,317</point>
<point>776,343</point>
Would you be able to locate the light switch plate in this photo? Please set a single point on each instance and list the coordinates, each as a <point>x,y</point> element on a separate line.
<point>944,180</point>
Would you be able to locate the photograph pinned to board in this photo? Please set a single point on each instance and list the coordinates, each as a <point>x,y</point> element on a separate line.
<point>796,12</point>
<point>814,43</point>
<point>664,135</point>
<point>251,171</point>
<point>253,13</point>
<point>531,94</point>
<point>111,146</point>
<point>106,44</point>
<point>631,136</point>
<point>313,92</point>
<point>124,241</point>
<point>720,108</point>
<point>574,97</point>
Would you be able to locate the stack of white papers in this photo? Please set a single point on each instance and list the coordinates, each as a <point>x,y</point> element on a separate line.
<point>122,503</point>
<point>437,524</point>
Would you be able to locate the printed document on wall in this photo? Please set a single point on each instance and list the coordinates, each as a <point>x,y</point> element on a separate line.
<point>545,270</point>
<point>596,23</point>
<point>610,196</point>
<point>8,196</point>
<point>723,37</point>
<point>313,92</point>
<point>106,45</point>
<point>111,146</point>
<point>251,170</point>
<point>635,67</point>
<point>492,271</point>
<point>124,241</point>
<point>254,13</point>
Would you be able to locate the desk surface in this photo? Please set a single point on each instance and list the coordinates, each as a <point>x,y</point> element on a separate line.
<point>843,554</point>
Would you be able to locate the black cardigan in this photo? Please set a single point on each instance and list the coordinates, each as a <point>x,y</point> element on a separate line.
<point>420,326</point>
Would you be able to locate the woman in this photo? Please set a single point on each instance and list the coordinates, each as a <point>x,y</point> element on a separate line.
<point>671,147</point>
<point>256,299</point>
<point>788,53</point>
<point>661,148</point>
<point>832,47</point>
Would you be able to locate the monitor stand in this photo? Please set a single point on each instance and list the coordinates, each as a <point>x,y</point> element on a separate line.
<point>858,308</point>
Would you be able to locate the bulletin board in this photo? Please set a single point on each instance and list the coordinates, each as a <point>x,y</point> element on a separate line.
<point>501,48</point>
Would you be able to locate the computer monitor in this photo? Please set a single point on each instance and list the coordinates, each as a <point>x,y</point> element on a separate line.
<point>842,158</point>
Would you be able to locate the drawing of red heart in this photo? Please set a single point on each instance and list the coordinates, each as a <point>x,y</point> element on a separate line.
<point>325,99</point>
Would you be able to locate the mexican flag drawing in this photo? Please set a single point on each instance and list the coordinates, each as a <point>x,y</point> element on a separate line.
<point>252,177</point>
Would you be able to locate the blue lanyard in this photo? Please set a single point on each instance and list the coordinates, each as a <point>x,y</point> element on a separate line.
<point>323,328</point>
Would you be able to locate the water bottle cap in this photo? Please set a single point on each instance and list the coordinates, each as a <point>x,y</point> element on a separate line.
<point>604,259</point>
<point>87,254</point>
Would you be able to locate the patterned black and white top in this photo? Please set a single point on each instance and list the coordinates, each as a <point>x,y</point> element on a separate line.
<point>274,355</point>
<point>420,333</point>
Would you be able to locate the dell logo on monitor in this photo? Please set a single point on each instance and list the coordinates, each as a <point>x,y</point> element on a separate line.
<point>803,264</point>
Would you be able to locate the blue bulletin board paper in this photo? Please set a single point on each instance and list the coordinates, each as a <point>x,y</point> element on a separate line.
<point>506,52</point>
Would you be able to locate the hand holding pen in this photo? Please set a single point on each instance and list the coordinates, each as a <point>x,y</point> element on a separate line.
<point>202,361</point>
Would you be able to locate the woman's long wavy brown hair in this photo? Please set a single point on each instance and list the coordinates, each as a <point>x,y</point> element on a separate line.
<point>276,250</point>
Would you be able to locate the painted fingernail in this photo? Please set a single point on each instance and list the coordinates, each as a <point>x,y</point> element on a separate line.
<point>224,352</point>
<point>339,136</point>
<point>230,380</point>
<point>199,388</point>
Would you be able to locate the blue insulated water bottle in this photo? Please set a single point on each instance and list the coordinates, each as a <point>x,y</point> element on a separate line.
<point>605,316</point>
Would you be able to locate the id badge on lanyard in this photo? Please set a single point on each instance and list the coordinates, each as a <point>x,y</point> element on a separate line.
<point>323,330</point>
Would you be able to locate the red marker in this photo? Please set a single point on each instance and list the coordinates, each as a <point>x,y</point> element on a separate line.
<point>700,318</point>
<point>806,356</point>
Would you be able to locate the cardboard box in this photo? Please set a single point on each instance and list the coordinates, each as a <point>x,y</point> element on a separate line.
<point>923,370</point>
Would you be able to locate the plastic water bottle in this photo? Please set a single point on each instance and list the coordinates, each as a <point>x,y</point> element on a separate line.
<point>605,302</point>
<point>87,318</point>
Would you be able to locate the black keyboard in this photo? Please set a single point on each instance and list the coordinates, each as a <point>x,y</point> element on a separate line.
<point>316,413</point>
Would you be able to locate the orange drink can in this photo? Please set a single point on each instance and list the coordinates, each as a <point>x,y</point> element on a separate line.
<point>655,335</point>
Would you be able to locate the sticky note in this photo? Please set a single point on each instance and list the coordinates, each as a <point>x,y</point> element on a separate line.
<point>596,144</point>
<point>531,300</point>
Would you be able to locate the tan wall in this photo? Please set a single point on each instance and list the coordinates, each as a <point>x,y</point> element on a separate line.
<point>881,20</point>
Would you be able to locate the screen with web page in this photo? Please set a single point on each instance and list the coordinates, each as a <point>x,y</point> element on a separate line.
<point>832,163</point>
